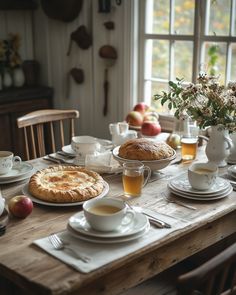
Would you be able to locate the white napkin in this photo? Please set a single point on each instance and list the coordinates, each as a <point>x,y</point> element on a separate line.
<point>102,163</point>
<point>102,254</point>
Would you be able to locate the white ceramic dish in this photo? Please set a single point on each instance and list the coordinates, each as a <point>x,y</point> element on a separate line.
<point>98,240</point>
<point>182,184</point>
<point>200,198</point>
<point>154,165</point>
<point>79,224</point>
<point>172,188</point>
<point>15,179</point>
<point>17,171</point>
<point>26,192</point>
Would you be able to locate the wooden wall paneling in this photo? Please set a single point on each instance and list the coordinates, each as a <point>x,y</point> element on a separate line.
<point>5,132</point>
<point>2,24</point>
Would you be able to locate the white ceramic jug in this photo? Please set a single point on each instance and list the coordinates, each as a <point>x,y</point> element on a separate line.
<point>232,155</point>
<point>219,145</point>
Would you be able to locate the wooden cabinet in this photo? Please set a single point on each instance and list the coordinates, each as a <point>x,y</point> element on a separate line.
<point>15,103</point>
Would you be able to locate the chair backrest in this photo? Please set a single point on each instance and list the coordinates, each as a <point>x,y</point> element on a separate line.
<point>214,277</point>
<point>34,132</point>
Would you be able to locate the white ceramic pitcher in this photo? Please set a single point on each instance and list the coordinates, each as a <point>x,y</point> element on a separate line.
<point>219,145</point>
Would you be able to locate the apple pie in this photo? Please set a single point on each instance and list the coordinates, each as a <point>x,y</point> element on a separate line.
<point>143,149</point>
<point>62,184</point>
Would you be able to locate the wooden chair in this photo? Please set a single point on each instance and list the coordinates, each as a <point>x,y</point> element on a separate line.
<point>214,277</point>
<point>34,132</point>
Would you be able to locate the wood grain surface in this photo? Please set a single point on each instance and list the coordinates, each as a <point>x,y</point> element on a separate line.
<point>35,272</point>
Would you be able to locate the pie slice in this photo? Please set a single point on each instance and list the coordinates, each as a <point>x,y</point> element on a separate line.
<point>65,184</point>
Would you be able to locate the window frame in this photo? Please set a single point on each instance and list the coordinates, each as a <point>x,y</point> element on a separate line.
<point>198,38</point>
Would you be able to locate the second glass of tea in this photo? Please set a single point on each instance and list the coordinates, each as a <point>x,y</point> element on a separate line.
<point>134,179</point>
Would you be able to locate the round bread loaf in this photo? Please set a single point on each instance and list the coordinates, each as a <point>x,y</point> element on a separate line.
<point>143,149</point>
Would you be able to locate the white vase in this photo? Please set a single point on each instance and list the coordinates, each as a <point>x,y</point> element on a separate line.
<point>7,80</point>
<point>18,77</point>
<point>218,146</point>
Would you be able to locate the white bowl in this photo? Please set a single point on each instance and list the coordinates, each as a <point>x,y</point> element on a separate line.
<point>154,164</point>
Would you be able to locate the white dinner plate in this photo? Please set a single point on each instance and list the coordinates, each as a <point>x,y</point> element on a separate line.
<point>26,192</point>
<point>182,184</point>
<point>80,225</point>
<point>201,198</point>
<point>15,179</point>
<point>17,170</point>
<point>97,240</point>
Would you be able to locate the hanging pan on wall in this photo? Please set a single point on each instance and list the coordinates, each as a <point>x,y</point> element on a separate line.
<point>63,10</point>
<point>81,37</point>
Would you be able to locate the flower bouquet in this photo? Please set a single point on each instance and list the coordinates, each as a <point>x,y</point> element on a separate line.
<point>206,102</point>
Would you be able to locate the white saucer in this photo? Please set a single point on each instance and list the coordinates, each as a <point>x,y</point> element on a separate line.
<point>15,179</point>
<point>78,223</point>
<point>182,184</point>
<point>97,240</point>
<point>68,150</point>
<point>17,170</point>
<point>26,192</point>
<point>224,194</point>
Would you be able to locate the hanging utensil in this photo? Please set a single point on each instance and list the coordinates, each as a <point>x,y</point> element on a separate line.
<point>109,54</point>
<point>81,37</point>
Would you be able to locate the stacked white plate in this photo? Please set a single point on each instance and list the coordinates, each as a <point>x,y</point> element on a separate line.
<point>79,228</point>
<point>18,172</point>
<point>180,186</point>
<point>232,175</point>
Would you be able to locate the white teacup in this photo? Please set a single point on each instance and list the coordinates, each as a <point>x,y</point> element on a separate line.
<point>7,161</point>
<point>85,145</point>
<point>107,214</point>
<point>202,176</point>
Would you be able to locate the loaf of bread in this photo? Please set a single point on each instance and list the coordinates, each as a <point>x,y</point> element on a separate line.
<point>143,149</point>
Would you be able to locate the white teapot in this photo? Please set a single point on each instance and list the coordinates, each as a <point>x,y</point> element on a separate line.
<point>2,205</point>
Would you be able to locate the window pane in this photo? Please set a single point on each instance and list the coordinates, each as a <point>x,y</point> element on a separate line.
<point>219,22</point>
<point>184,17</point>
<point>157,88</point>
<point>233,64</point>
<point>183,60</point>
<point>215,60</point>
<point>157,16</point>
<point>160,59</point>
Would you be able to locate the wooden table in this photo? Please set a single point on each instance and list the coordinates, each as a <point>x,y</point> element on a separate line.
<point>36,272</point>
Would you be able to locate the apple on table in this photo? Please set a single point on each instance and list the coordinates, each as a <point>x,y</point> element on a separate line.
<point>141,107</point>
<point>134,118</point>
<point>20,206</point>
<point>151,128</point>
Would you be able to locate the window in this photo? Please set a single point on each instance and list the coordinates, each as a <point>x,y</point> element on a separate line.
<point>182,37</point>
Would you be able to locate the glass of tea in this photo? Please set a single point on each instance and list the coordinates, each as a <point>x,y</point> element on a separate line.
<point>189,148</point>
<point>134,179</point>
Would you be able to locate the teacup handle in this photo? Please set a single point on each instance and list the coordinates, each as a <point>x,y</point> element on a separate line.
<point>16,160</point>
<point>128,212</point>
<point>148,176</point>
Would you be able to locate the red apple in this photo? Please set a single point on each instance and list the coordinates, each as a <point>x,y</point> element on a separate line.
<point>134,118</point>
<point>141,107</point>
<point>150,128</point>
<point>20,206</point>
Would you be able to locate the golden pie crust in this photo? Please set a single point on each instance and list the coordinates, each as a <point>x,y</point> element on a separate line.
<point>143,149</point>
<point>65,184</point>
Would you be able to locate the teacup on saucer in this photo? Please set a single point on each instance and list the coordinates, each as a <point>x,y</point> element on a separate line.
<point>202,176</point>
<point>107,214</point>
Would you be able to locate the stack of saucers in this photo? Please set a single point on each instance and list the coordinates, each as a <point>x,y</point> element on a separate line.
<point>232,175</point>
<point>79,228</point>
<point>180,186</point>
<point>20,171</point>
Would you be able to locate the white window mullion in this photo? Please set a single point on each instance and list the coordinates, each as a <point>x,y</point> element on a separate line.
<point>232,17</point>
<point>228,62</point>
<point>172,42</point>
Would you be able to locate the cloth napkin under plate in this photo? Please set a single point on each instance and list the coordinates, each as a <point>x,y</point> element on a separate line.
<point>102,163</point>
<point>102,254</point>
